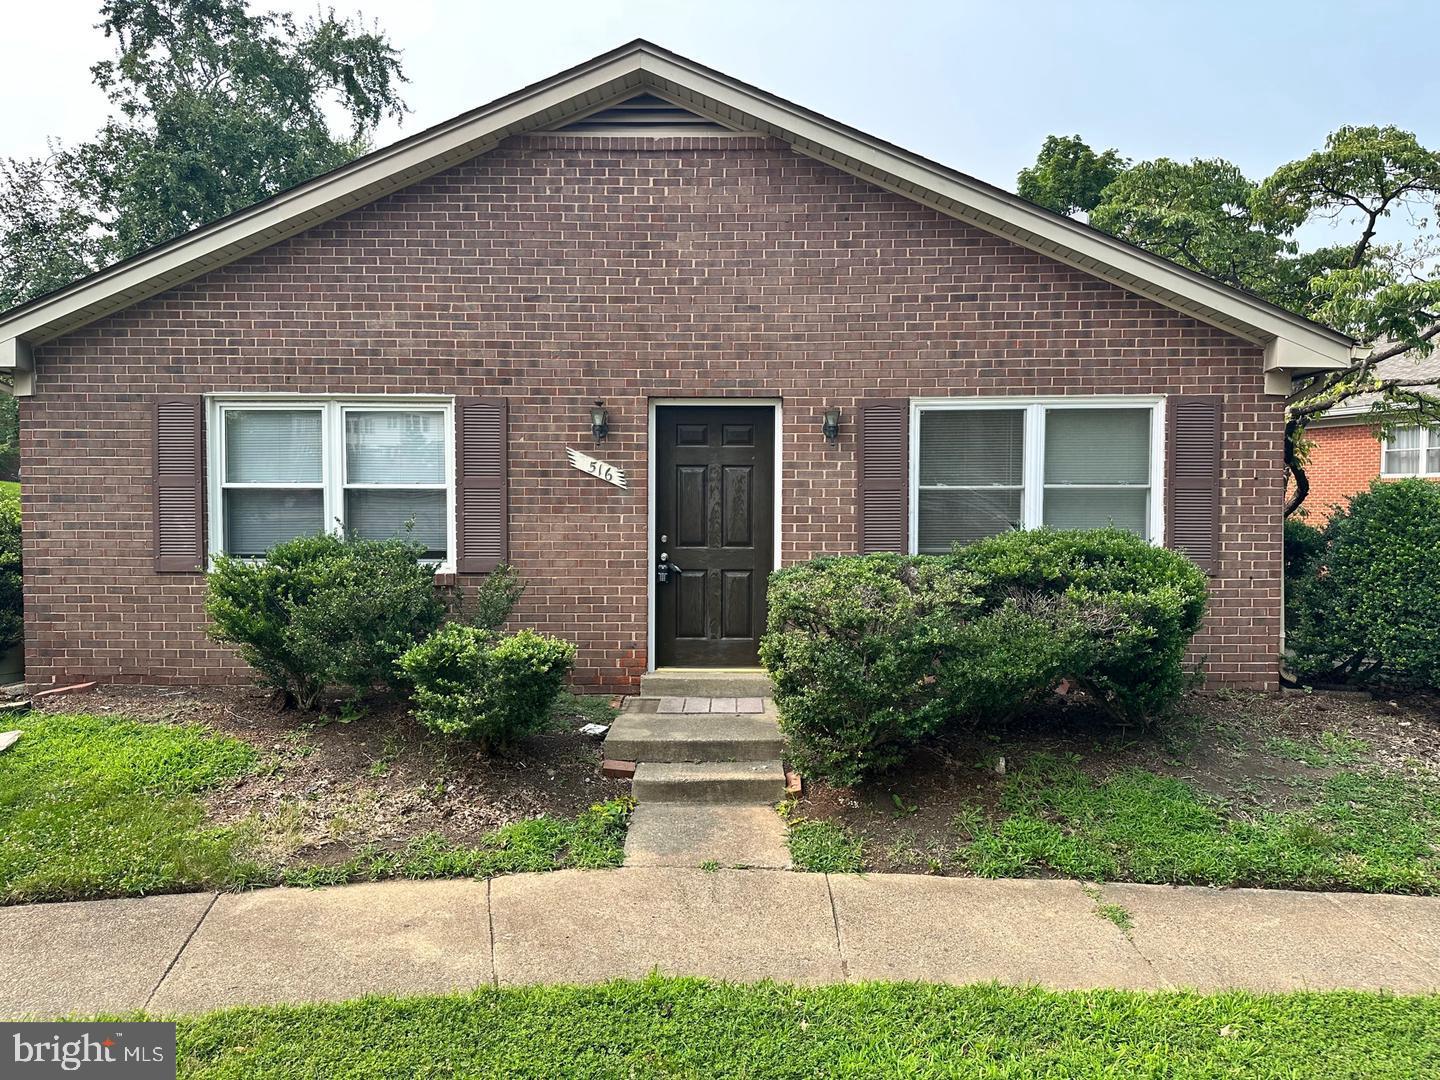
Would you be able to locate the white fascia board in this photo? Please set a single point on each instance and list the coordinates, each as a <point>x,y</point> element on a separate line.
<point>641,66</point>
<point>314,202</point>
<point>16,358</point>
<point>15,355</point>
<point>1285,353</point>
<point>1007,215</point>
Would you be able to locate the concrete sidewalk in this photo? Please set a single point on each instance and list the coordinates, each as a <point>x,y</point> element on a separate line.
<point>180,954</point>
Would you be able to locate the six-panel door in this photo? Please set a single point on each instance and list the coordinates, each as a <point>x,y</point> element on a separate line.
<point>714,517</point>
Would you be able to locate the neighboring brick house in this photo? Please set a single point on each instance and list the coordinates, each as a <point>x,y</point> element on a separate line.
<point>1348,454</point>
<point>803,340</point>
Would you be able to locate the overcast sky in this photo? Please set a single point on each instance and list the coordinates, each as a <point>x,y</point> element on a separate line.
<point>975,85</point>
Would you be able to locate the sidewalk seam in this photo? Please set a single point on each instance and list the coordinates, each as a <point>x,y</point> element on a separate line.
<point>215,897</point>
<point>490,917</point>
<point>1164,983</point>
<point>835,921</point>
<point>1377,926</point>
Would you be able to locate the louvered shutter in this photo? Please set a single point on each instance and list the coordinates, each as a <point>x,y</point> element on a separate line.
<point>1192,502</point>
<point>884,476</point>
<point>481,450</point>
<point>179,471</point>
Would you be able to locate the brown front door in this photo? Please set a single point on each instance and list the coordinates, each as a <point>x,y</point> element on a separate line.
<point>714,518</point>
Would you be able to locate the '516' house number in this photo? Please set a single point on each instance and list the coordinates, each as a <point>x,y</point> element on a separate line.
<point>597,468</point>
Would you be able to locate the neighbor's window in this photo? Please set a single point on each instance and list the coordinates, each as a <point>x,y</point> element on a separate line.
<point>1412,451</point>
<point>374,470</point>
<point>984,469</point>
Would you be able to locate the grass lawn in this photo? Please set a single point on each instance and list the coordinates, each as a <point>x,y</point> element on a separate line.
<point>103,806</point>
<point>1358,830</point>
<point>1292,791</point>
<point>94,806</point>
<point>9,491</point>
<point>678,1027</point>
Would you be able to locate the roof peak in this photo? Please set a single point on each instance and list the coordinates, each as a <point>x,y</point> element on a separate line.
<point>640,66</point>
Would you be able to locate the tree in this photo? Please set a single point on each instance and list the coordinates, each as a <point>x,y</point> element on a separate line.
<point>1068,176</point>
<point>216,109</point>
<point>1208,216</point>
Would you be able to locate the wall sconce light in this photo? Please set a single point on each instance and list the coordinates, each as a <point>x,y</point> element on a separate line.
<point>830,425</point>
<point>599,421</point>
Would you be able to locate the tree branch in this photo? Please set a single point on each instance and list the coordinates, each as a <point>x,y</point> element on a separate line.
<point>1293,467</point>
<point>1357,256</point>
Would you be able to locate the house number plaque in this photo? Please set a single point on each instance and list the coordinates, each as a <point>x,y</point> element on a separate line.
<point>595,467</point>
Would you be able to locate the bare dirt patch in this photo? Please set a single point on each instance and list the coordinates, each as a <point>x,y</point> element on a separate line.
<point>1254,751</point>
<point>331,784</point>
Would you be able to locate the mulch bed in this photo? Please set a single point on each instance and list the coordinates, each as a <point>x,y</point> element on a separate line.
<point>331,784</point>
<point>1219,744</point>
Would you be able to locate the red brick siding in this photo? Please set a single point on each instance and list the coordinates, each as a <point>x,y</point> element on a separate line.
<point>1344,459</point>
<point>557,270</point>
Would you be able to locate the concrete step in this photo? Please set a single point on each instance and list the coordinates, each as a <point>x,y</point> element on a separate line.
<point>706,682</point>
<point>653,736</point>
<point>728,836</point>
<point>753,782</point>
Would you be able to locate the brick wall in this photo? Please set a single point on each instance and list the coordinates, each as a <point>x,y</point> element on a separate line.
<point>561,269</point>
<point>1343,461</point>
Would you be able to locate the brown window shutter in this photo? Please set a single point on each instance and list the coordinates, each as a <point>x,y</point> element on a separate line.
<point>884,474</point>
<point>481,450</point>
<point>1192,472</point>
<point>179,490</point>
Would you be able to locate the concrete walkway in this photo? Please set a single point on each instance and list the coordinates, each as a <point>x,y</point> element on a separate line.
<point>180,954</point>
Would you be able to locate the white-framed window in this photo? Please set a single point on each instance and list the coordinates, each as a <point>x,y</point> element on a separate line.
<point>375,468</point>
<point>1411,451</point>
<point>984,466</point>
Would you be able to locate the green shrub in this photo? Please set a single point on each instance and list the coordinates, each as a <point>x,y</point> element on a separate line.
<point>1303,545</point>
<point>12,623</point>
<point>852,646</point>
<point>871,655</point>
<point>1142,604</point>
<point>495,598</point>
<point>324,611</point>
<point>1368,609</point>
<point>471,682</point>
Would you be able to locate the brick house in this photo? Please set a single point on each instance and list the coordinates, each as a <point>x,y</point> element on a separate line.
<point>1348,454</point>
<point>645,332</point>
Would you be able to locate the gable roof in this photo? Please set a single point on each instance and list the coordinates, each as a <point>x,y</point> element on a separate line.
<point>1291,343</point>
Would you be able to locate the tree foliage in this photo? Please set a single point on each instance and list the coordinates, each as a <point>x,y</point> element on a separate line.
<point>1367,182</point>
<point>215,108</point>
<point>1069,177</point>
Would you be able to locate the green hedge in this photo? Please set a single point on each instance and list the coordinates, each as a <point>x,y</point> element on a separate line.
<point>470,681</point>
<point>324,612</point>
<point>871,655</point>
<point>1366,606</point>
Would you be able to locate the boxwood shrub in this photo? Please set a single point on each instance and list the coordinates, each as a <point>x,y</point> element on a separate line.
<point>1366,607</point>
<point>472,682</point>
<point>852,646</point>
<point>323,612</point>
<point>870,655</point>
<point>1141,605</point>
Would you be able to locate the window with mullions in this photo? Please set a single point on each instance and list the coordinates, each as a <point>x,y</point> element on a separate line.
<point>985,469</point>
<point>299,468</point>
<point>1411,451</point>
